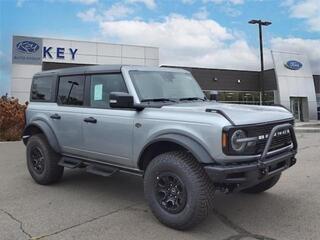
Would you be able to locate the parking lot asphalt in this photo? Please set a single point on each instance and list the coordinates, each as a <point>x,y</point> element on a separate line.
<point>85,206</point>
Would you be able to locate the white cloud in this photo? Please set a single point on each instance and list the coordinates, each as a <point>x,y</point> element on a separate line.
<point>309,10</point>
<point>88,16</point>
<point>151,4</point>
<point>230,11</point>
<point>195,41</point>
<point>184,41</point>
<point>227,6</point>
<point>187,1</point>
<point>115,12</point>
<point>20,3</point>
<point>87,2</point>
<point>201,14</point>
<point>308,46</point>
<point>235,2</point>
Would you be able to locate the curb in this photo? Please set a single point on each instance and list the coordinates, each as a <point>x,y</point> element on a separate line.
<point>307,130</point>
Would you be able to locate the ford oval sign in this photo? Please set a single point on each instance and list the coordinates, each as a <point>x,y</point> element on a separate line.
<point>27,47</point>
<point>293,65</point>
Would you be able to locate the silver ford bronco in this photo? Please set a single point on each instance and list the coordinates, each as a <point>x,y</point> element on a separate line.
<point>156,123</point>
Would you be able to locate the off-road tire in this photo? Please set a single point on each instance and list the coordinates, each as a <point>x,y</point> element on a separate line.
<point>51,172</point>
<point>263,186</point>
<point>199,189</point>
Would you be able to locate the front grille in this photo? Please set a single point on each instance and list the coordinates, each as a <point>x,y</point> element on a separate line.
<point>279,141</point>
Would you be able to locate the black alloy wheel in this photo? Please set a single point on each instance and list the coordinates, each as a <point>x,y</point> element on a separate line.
<point>170,192</point>
<point>37,159</point>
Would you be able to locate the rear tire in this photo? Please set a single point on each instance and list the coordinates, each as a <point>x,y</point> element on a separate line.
<point>42,161</point>
<point>188,200</point>
<point>263,186</point>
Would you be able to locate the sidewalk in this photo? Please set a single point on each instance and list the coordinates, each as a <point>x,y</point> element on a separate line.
<point>311,126</point>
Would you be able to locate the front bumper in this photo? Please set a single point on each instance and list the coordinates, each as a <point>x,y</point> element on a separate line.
<point>243,175</point>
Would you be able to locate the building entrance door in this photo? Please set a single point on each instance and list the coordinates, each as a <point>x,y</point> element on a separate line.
<point>298,107</point>
<point>295,107</point>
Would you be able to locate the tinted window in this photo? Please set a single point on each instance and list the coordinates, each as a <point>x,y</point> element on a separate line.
<point>71,90</point>
<point>41,89</point>
<point>101,87</point>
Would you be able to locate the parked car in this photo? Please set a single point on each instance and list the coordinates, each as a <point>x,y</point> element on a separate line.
<point>156,123</point>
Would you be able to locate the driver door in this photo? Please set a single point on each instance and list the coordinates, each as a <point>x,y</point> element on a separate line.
<point>108,137</point>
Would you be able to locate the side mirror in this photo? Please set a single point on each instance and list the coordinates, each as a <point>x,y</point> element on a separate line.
<point>120,100</point>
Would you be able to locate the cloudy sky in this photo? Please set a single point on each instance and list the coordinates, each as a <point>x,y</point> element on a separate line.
<point>203,33</point>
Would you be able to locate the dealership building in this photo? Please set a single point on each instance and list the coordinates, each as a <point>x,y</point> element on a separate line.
<point>290,83</point>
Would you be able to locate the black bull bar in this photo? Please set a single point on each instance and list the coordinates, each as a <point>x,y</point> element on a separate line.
<point>266,165</point>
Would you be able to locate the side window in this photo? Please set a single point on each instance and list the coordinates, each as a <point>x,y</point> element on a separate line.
<point>102,85</point>
<point>71,90</point>
<point>42,88</point>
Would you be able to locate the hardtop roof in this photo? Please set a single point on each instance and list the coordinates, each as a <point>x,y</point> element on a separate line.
<point>99,69</point>
<point>81,70</point>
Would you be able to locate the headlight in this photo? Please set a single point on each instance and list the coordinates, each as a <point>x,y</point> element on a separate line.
<point>237,145</point>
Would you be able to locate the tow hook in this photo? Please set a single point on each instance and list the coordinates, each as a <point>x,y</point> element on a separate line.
<point>293,161</point>
<point>263,168</point>
<point>264,171</point>
<point>226,189</point>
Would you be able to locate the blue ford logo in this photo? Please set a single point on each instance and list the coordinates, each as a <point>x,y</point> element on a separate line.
<point>293,65</point>
<point>27,47</point>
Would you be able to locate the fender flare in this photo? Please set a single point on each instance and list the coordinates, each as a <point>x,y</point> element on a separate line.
<point>194,147</point>
<point>46,130</point>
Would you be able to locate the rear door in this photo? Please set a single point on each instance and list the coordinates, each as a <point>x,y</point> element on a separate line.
<point>68,116</point>
<point>107,133</point>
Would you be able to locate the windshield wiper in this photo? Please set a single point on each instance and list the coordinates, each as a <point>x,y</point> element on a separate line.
<point>158,100</point>
<point>191,99</point>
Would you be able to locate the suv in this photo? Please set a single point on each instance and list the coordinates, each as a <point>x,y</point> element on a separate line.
<point>156,123</point>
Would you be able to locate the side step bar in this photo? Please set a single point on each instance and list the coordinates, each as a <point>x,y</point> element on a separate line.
<point>104,171</point>
<point>98,168</point>
<point>69,162</point>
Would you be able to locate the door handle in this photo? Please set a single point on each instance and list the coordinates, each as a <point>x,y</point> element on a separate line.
<point>55,116</point>
<point>90,120</point>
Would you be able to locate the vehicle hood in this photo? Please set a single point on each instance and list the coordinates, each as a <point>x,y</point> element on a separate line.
<point>240,114</point>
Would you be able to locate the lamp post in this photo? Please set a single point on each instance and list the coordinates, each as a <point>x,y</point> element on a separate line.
<point>261,23</point>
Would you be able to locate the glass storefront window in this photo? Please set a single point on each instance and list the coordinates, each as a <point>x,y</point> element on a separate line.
<point>243,97</point>
<point>269,98</point>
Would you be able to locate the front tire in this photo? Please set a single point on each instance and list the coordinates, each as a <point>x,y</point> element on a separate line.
<point>263,186</point>
<point>178,190</point>
<point>42,161</point>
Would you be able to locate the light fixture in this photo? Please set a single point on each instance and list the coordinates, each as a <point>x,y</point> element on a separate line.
<point>260,24</point>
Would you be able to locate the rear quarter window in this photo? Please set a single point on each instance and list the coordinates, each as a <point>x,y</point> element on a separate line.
<point>43,89</point>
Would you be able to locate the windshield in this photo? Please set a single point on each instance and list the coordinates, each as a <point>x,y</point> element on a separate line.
<point>162,85</point>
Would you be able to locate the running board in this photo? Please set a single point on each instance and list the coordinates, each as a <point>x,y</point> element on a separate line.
<point>69,162</point>
<point>95,167</point>
<point>104,171</point>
